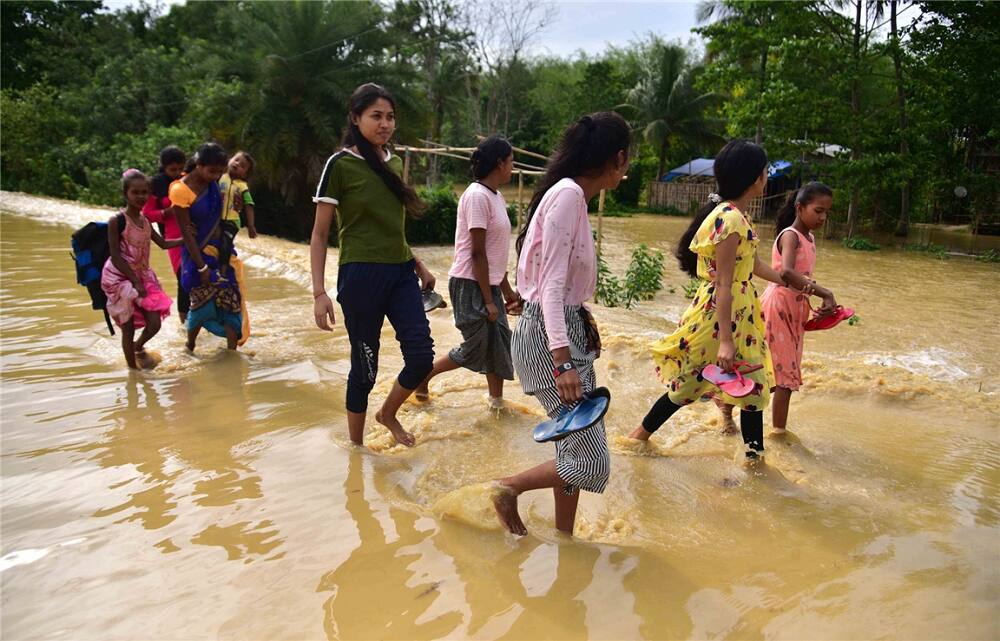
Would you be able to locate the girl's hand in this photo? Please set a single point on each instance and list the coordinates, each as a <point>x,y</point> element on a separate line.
<point>205,276</point>
<point>726,355</point>
<point>427,280</point>
<point>140,289</point>
<point>492,313</point>
<point>323,312</point>
<point>514,305</point>
<point>252,231</point>
<point>568,386</point>
<point>829,305</point>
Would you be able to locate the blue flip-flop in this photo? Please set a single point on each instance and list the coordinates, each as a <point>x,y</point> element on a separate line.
<point>585,414</point>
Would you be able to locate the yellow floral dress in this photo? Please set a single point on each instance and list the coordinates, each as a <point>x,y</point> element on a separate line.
<point>680,357</point>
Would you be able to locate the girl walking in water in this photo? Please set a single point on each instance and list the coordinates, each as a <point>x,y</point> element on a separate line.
<point>723,324</point>
<point>378,274</point>
<point>480,293</point>
<point>555,342</point>
<point>135,298</point>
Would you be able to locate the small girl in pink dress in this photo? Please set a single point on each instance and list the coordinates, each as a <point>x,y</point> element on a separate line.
<point>786,310</point>
<point>135,298</point>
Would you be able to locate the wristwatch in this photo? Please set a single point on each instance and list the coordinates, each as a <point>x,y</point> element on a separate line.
<point>562,369</point>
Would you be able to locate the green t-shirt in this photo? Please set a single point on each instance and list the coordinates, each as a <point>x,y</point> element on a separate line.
<point>371,221</point>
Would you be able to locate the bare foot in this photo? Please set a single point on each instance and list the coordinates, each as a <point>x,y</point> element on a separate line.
<point>144,359</point>
<point>505,504</point>
<point>402,436</point>
<point>640,434</point>
<point>496,402</point>
<point>189,345</point>
<point>728,425</point>
<point>422,394</point>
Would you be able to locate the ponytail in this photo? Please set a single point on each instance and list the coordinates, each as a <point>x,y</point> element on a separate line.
<point>585,149</point>
<point>362,98</point>
<point>805,195</point>
<point>737,167</point>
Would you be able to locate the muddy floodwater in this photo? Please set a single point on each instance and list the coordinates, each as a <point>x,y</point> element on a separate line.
<point>218,496</point>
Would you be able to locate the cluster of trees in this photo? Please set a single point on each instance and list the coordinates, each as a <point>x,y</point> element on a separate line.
<point>87,92</point>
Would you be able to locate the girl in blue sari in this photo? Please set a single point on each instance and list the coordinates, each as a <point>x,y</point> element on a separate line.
<point>206,274</point>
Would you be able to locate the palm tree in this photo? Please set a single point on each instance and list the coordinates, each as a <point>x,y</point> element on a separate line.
<point>666,101</point>
<point>305,59</point>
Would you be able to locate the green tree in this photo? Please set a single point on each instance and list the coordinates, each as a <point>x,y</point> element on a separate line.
<point>667,104</point>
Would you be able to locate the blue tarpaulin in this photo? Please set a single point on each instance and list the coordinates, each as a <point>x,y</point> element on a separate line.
<point>703,167</point>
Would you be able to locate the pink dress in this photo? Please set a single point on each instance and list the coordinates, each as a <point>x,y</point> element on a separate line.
<point>124,304</point>
<point>785,313</point>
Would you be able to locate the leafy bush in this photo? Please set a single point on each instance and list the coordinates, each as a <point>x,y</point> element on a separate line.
<point>989,256</point>
<point>437,225</point>
<point>641,282</point>
<point>861,244</point>
<point>938,250</point>
<point>691,287</point>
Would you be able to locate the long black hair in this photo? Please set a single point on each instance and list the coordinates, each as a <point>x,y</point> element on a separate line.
<point>585,149</point>
<point>488,154</point>
<point>805,195</point>
<point>362,98</point>
<point>737,167</point>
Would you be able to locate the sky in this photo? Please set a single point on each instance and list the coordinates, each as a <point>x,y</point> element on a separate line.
<point>591,26</point>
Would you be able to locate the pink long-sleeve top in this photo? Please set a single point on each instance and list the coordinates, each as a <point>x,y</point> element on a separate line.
<point>558,264</point>
<point>157,210</point>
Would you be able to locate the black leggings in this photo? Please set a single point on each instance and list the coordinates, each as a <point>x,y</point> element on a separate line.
<point>183,300</point>
<point>751,423</point>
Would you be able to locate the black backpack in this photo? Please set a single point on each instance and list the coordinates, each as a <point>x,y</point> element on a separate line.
<point>90,252</point>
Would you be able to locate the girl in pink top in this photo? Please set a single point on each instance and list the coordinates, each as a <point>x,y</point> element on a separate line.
<point>480,293</point>
<point>135,298</point>
<point>555,341</point>
<point>786,310</point>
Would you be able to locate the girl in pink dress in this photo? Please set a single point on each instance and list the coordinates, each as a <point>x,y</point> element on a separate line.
<point>135,298</point>
<point>786,310</point>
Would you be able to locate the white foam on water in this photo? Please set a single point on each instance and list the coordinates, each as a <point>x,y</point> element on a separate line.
<point>934,363</point>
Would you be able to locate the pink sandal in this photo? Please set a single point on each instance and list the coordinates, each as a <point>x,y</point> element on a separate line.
<point>732,383</point>
<point>840,313</point>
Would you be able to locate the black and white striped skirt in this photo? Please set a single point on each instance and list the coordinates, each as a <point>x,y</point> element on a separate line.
<point>582,459</point>
<point>485,346</point>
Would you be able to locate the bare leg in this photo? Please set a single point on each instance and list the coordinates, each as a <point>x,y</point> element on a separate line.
<point>148,332</point>
<point>231,338</point>
<point>356,426</point>
<point>779,408</point>
<point>565,509</point>
<point>192,337</point>
<point>441,365</point>
<point>128,344</point>
<point>728,424</point>
<point>495,383</point>
<point>387,414</point>
<point>536,478</point>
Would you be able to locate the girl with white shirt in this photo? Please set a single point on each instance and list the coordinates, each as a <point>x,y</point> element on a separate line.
<point>555,342</point>
<point>480,293</point>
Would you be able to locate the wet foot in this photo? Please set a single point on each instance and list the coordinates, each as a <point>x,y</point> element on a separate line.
<point>144,359</point>
<point>729,425</point>
<point>392,424</point>
<point>777,432</point>
<point>640,434</point>
<point>422,394</point>
<point>505,504</point>
<point>496,402</point>
<point>189,345</point>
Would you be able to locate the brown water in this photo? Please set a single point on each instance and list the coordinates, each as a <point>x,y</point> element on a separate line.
<point>218,497</point>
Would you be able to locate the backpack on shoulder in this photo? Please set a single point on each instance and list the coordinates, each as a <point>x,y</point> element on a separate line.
<point>90,252</point>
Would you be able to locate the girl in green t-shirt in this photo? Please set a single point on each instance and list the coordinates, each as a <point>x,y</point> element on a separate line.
<point>378,274</point>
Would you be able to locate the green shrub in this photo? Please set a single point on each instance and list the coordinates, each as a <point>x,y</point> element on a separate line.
<point>691,287</point>
<point>989,256</point>
<point>861,244</point>
<point>642,279</point>
<point>437,225</point>
<point>938,250</point>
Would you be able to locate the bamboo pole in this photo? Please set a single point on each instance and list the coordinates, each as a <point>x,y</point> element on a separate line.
<point>520,198</point>
<point>600,221</point>
<point>521,151</point>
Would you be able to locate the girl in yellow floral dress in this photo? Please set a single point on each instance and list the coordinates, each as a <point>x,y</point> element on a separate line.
<point>723,324</point>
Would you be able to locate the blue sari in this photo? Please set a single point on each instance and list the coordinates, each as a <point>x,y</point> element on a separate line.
<point>217,305</point>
